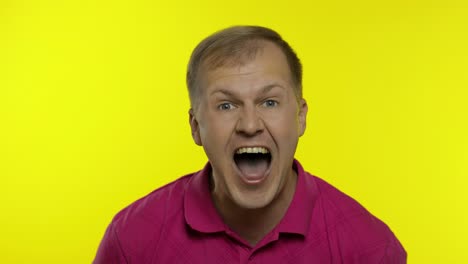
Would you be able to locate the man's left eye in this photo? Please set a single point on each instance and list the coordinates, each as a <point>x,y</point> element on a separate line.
<point>270,103</point>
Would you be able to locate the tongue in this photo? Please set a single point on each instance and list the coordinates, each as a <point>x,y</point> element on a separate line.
<point>252,169</point>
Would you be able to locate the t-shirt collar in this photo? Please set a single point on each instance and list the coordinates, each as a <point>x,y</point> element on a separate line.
<point>199,209</point>
<point>299,214</point>
<point>201,214</point>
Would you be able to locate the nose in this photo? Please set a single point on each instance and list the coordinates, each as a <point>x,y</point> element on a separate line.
<point>249,122</point>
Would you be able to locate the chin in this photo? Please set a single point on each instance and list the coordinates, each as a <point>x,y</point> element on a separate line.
<point>254,200</point>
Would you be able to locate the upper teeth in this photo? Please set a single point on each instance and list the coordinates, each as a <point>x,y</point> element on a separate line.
<point>252,150</point>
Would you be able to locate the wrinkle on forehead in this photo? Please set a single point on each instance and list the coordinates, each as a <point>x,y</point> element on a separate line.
<point>222,68</point>
<point>234,55</point>
<point>241,71</point>
<point>264,89</point>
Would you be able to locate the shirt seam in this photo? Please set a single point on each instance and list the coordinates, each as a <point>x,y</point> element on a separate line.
<point>161,228</point>
<point>391,245</point>
<point>119,245</point>
<point>385,254</point>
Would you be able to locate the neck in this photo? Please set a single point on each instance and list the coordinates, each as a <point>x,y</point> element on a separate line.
<point>253,224</point>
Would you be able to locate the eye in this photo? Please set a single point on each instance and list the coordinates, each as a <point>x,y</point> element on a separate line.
<point>270,103</point>
<point>225,106</point>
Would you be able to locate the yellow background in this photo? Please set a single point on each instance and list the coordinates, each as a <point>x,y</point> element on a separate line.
<point>93,112</point>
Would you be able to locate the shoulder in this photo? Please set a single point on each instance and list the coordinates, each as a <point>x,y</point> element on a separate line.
<point>137,227</point>
<point>154,207</point>
<point>338,204</point>
<point>358,234</point>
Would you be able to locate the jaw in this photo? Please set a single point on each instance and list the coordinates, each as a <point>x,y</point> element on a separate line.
<point>239,188</point>
<point>252,192</point>
<point>270,197</point>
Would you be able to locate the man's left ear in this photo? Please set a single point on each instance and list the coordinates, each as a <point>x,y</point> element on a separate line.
<point>302,116</point>
<point>194,127</point>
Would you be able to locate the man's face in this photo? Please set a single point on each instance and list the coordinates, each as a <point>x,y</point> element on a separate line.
<point>248,121</point>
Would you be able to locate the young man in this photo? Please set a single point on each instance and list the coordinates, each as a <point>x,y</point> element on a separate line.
<point>253,202</point>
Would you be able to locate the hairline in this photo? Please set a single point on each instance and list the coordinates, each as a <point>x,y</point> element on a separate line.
<point>248,53</point>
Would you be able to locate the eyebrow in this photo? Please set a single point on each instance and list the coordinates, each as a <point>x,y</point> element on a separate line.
<point>265,89</point>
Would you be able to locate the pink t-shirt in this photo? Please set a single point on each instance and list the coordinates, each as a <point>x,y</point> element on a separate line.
<point>178,223</point>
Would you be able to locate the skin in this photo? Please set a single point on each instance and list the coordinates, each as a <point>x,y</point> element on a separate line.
<point>252,104</point>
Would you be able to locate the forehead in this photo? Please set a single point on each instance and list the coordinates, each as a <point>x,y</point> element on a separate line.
<point>269,64</point>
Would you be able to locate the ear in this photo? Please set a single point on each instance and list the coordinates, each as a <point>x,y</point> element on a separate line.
<point>194,127</point>
<point>302,116</point>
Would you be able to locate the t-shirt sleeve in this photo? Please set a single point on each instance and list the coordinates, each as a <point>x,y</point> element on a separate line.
<point>110,251</point>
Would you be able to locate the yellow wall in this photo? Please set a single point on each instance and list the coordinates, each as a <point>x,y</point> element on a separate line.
<point>93,112</point>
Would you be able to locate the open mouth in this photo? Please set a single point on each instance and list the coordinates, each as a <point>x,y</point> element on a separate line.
<point>253,163</point>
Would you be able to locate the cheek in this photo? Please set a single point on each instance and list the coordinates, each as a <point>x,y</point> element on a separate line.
<point>215,131</point>
<point>285,133</point>
<point>284,125</point>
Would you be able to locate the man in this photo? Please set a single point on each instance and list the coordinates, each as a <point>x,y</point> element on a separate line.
<point>253,202</point>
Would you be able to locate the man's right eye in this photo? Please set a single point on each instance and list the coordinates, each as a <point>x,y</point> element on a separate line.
<point>225,106</point>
